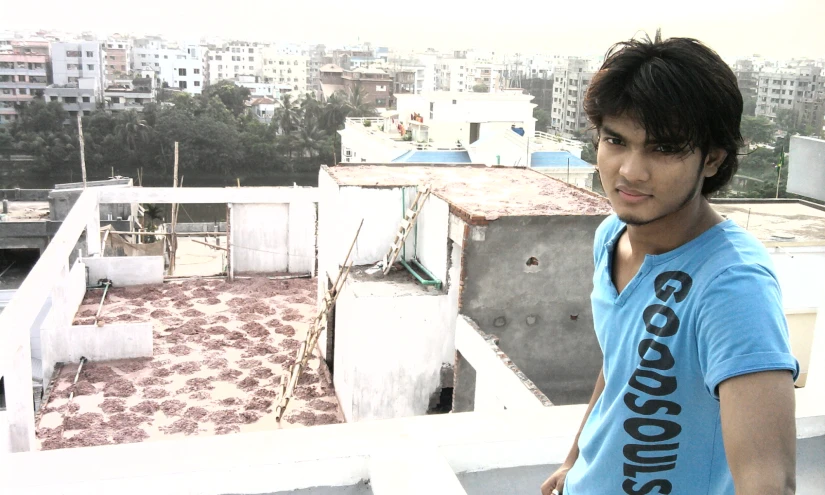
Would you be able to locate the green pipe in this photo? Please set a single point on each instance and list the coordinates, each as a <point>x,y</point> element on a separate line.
<point>433,281</point>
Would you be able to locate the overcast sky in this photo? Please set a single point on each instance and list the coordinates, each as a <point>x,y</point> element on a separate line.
<point>772,28</point>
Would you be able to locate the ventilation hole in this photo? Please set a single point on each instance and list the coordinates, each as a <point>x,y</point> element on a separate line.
<point>532,261</point>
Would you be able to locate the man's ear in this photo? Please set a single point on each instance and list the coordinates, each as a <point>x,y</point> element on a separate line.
<point>713,160</point>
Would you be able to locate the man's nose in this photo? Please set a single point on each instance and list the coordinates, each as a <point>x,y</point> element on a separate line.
<point>635,167</point>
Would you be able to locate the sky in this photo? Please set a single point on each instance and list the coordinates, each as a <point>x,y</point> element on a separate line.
<point>775,29</point>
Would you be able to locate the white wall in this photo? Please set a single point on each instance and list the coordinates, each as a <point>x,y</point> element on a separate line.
<point>259,238</point>
<point>497,387</point>
<point>104,343</point>
<point>367,148</point>
<point>125,271</point>
<point>388,353</point>
<point>71,294</point>
<point>433,227</point>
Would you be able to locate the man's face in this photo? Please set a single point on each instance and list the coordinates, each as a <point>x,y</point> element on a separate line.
<point>646,181</point>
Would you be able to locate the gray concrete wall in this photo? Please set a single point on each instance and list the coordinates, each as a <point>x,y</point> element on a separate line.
<point>25,194</point>
<point>806,167</point>
<point>541,314</point>
<point>125,271</point>
<point>110,341</point>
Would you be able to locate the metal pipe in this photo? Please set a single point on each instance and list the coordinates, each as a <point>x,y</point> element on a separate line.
<point>98,321</point>
<point>77,375</point>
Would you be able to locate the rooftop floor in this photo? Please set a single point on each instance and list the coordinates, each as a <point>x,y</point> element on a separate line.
<point>777,221</point>
<point>220,349</point>
<point>27,211</point>
<point>480,191</point>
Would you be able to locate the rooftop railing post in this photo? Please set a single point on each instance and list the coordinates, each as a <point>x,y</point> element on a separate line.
<point>93,228</point>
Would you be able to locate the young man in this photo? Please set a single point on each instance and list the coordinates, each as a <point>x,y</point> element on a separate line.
<point>696,391</point>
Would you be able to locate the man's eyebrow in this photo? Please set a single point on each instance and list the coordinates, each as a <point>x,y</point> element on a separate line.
<point>607,130</point>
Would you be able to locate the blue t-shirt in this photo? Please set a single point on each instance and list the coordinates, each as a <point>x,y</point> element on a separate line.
<point>690,318</point>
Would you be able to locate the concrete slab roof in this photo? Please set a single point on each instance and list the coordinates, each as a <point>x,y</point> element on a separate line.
<point>479,193</point>
<point>26,211</point>
<point>777,221</point>
<point>220,351</point>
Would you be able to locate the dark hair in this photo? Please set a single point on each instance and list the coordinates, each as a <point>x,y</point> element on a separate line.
<point>679,90</point>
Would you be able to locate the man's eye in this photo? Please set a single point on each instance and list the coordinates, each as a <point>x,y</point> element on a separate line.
<point>611,140</point>
<point>666,148</point>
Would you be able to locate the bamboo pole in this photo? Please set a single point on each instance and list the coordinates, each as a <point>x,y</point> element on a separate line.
<point>210,245</point>
<point>82,147</point>
<point>173,240</point>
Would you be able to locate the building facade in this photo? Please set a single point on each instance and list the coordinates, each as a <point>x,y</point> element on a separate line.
<point>570,82</point>
<point>74,61</point>
<point>179,66</point>
<point>798,90</point>
<point>234,59</point>
<point>288,69</point>
<point>23,77</point>
<point>118,59</point>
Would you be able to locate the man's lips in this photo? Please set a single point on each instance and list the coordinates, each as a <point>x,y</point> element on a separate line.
<point>631,195</point>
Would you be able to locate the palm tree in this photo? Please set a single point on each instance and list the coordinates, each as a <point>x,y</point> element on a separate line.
<point>310,138</point>
<point>287,115</point>
<point>358,104</point>
<point>310,108</point>
<point>131,130</point>
<point>334,113</point>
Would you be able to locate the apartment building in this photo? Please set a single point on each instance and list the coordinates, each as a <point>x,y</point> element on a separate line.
<point>488,75</point>
<point>287,68</point>
<point>81,96</point>
<point>746,75</point>
<point>129,94</point>
<point>374,83</point>
<point>22,75</point>
<point>453,74</point>
<point>234,59</point>
<point>177,65</point>
<point>74,61</point>
<point>799,89</point>
<point>570,82</point>
<point>118,59</point>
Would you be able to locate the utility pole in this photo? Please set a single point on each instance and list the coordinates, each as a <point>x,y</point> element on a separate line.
<point>82,146</point>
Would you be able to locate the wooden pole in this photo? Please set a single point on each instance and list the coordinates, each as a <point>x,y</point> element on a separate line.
<point>173,240</point>
<point>82,147</point>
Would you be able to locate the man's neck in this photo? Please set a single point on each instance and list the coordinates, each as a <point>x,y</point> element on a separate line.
<point>674,230</point>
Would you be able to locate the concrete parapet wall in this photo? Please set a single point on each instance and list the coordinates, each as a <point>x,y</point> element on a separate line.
<point>25,194</point>
<point>499,385</point>
<point>125,271</point>
<point>105,343</point>
<point>276,237</point>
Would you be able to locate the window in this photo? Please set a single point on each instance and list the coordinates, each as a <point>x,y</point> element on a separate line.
<point>384,88</point>
<point>181,84</point>
<point>196,71</point>
<point>72,66</point>
<point>86,112</point>
<point>90,67</point>
<point>251,59</point>
<point>86,99</point>
<point>157,64</point>
<point>73,53</point>
<point>220,67</point>
<point>166,57</point>
<point>142,55</point>
<point>69,99</point>
<point>22,91</point>
<point>116,99</point>
<point>211,58</point>
<point>90,54</point>
<point>197,83</point>
<point>181,72</point>
<point>123,67</point>
<point>218,57</point>
<point>380,102</point>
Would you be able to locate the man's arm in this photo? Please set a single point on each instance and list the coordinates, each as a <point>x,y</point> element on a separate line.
<point>759,431</point>
<point>556,480</point>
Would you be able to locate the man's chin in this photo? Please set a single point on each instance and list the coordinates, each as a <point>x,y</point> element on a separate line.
<point>634,220</point>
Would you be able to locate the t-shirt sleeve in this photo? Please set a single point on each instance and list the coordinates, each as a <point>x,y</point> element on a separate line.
<point>741,326</point>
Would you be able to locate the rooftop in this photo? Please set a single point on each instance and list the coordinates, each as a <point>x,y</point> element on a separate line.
<point>550,159</point>
<point>772,221</point>
<point>27,211</point>
<point>219,352</point>
<point>480,192</point>
<point>434,156</point>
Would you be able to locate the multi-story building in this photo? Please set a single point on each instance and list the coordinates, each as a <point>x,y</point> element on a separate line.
<point>180,66</point>
<point>74,61</point>
<point>800,90</point>
<point>316,60</point>
<point>375,84</point>
<point>284,68</point>
<point>746,75</point>
<point>570,82</point>
<point>81,96</point>
<point>488,75</point>
<point>118,59</point>
<point>22,76</point>
<point>125,95</point>
<point>234,59</point>
<point>453,74</point>
<point>258,88</point>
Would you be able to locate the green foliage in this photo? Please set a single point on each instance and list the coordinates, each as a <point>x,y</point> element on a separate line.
<point>757,129</point>
<point>543,119</point>
<point>215,136</point>
<point>748,105</point>
<point>589,153</point>
<point>481,88</point>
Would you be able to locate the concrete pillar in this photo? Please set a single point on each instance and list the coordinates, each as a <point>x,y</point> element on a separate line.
<point>5,206</point>
<point>54,331</point>
<point>93,232</point>
<point>19,400</point>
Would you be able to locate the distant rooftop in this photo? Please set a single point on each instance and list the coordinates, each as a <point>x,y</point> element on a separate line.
<point>480,192</point>
<point>434,156</point>
<point>551,159</point>
<point>772,221</point>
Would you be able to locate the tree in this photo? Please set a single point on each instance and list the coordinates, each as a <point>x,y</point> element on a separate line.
<point>6,142</point>
<point>589,153</point>
<point>787,119</point>
<point>310,139</point>
<point>232,96</point>
<point>287,115</point>
<point>749,105</point>
<point>542,119</point>
<point>357,102</point>
<point>481,88</point>
<point>757,130</point>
